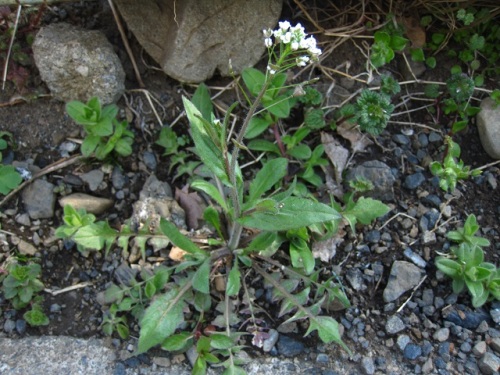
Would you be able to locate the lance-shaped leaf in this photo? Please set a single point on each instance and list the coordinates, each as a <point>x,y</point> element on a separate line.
<point>210,155</point>
<point>178,239</point>
<point>272,172</point>
<point>290,213</point>
<point>160,320</point>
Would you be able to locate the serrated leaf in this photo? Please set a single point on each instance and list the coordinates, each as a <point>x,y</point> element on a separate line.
<point>289,305</point>
<point>292,213</point>
<point>201,278</point>
<point>160,320</point>
<point>271,173</point>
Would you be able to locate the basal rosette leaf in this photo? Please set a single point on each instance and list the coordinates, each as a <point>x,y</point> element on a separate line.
<point>160,320</point>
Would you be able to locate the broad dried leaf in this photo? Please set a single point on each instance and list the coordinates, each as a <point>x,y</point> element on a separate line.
<point>359,141</point>
<point>327,249</point>
<point>177,254</point>
<point>414,31</point>
<point>191,203</point>
<point>337,154</point>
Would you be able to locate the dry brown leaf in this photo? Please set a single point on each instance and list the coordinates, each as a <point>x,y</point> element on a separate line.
<point>327,249</point>
<point>177,254</point>
<point>359,142</point>
<point>337,154</point>
<point>414,32</point>
<point>192,204</point>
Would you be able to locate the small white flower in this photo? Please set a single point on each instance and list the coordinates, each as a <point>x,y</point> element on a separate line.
<point>295,45</point>
<point>271,70</point>
<point>268,42</point>
<point>285,25</point>
<point>302,60</point>
<point>287,37</point>
<point>267,33</point>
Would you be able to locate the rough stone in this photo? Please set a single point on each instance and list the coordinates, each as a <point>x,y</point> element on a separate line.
<point>488,126</point>
<point>289,347</point>
<point>26,248</point>
<point>39,199</point>
<point>442,334</point>
<point>193,39</point>
<point>394,325</point>
<point>78,64</point>
<point>379,174</point>
<point>412,351</point>
<point>93,179</point>
<point>403,277</point>
<point>489,363</point>
<point>413,181</point>
<point>93,205</point>
<point>368,365</point>
<point>480,348</point>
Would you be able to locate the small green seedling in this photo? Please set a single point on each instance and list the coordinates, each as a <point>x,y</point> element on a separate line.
<point>22,284</point>
<point>466,266</point>
<point>9,177</point>
<point>452,169</point>
<point>105,134</point>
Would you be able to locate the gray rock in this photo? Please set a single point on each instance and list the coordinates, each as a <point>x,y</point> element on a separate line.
<point>480,348</point>
<point>402,341</point>
<point>441,335</point>
<point>193,39</point>
<point>368,365</point>
<point>39,199</point>
<point>118,179</point>
<point>78,64</point>
<point>413,181</point>
<point>23,219</point>
<point>26,248</point>
<point>488,126</point>
<point>412,351</point>
<point>429,238</point>
<point>394,325</point>
<point>355,278</point>
<point>379,174</point>
<point>289,347</point>
<point>403,277</point>
<point>414,257</point>
<point>93,178</point>
<point>149,160</point>
<point>9,326</point>
<point>489,363</point>
<point>154,188</point>
<point>269,343</point>
<point>495,344</point>
<point>411,69</point>
<point>93,205</point>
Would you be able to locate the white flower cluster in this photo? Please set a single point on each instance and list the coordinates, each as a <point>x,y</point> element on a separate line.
<point>296,37</point>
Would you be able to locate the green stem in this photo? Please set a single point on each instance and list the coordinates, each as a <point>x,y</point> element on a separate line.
<point>236,229</point>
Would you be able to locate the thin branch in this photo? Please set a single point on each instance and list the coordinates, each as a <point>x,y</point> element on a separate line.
<point>12,38</point>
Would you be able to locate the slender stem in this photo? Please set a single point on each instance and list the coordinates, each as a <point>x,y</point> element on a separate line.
<point>236,229</point>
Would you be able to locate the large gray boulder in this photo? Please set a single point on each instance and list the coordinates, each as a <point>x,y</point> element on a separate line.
<point>488,125</point>
<point>191,39</point>
<point>78,64</point>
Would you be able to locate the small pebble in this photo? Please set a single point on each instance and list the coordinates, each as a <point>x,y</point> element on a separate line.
<point>442,334</point>
<point>412,351</point>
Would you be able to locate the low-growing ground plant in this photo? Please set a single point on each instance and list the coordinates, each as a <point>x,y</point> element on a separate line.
<point>105,134</point>
<point>466,266</point>
<point>9,177</point>
<point>263,229</point>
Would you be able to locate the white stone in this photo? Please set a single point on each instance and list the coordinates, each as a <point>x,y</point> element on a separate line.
<point>488,125</point>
